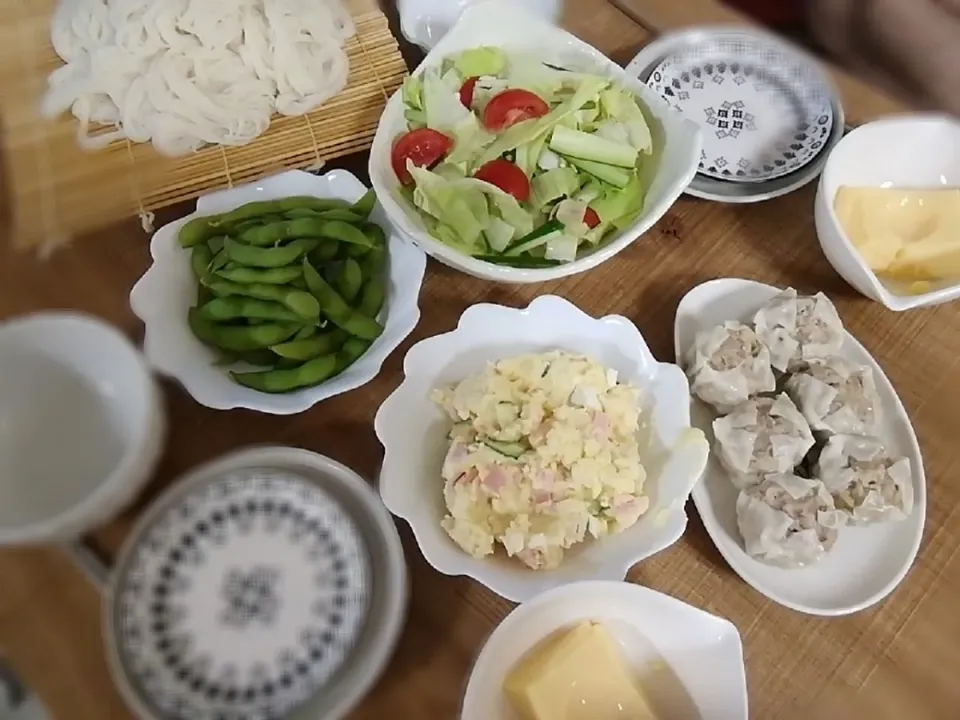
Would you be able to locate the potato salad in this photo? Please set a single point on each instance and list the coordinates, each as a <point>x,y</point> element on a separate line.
<point>543,454</point>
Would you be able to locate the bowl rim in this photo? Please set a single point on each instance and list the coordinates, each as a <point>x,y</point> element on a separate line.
<point>284,457</point>
<point>891,300</point>
<point>553,36</point>
<point>405,318</point>
<point>136,457</point>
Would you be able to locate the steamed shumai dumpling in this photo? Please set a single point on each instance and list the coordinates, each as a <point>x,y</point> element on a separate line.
<point>762,436</point>
<point>729,366</point>
<point>788,521</point>
<point>836,396</point>
<point>868,483</point>
<point>798,329</point>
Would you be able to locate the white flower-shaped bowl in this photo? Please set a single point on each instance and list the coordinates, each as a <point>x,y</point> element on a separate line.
<point>906,151</point>
<point>413,432</point>
<point>506,24</point>
<point>162,297</point>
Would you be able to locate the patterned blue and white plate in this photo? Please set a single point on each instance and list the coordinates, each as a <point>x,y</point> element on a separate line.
<point>242,599</point>
<point>765,110</point>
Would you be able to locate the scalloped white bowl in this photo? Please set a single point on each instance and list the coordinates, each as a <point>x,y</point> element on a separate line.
<point>162,297</point>
<point>413,432</point>
<point>506,24</point>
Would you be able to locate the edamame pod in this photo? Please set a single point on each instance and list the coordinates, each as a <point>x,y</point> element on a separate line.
<point>325,251</point>
<point>223,309</point>
<point>352,350</point>
<point>270,207</point>
<point>371,298</point>
<point>196,231</point>
<point>337,310</point>
<point>345,215</point>
<point>268,257</point>
<point>344,232</point>
<point>278,232</point>
<point>254,337</point>
<point>309,374</point>
<point>200,258</point>
<point>377,238</point>
<point>301,302</point>
<point>309,348</point>
<point>373,263</point>
<point>365,205</point>
<point>241,228</point>
<point>255,276</point>
<point>349,280</point>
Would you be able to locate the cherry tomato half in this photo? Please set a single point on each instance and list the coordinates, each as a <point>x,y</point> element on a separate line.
<point>425,147</point>
<point>513,106</point>
<point>506,176</point>
<point>467,90</point>
<point>590,218</point>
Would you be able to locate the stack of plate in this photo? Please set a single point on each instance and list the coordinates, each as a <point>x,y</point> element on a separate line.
<point>769,114</point>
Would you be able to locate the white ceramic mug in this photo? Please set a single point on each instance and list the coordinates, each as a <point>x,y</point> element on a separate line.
<point>424,22</point>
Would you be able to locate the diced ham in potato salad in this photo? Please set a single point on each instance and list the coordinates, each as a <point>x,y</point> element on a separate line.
<point>543,453</point>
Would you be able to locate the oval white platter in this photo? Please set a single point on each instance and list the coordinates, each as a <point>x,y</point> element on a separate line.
<point>867,563</point>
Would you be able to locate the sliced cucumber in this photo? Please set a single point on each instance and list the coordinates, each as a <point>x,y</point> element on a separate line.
<point>577,144</point>
<point>534,239</point>
<point>616,176</point>
<point>509,449</point>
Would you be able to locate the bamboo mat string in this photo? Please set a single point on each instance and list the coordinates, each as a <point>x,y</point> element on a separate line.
<point>146,217</point>
<point>373,67</point>
<point>320,162</point>
<point>226,166</point>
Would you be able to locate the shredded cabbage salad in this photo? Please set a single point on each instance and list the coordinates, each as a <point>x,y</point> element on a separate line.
<point>520,163</point>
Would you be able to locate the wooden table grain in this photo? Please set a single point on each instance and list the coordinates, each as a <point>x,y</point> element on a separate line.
<point>897,660</point>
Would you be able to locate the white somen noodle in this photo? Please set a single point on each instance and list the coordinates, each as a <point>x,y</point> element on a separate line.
<point>185,73</point>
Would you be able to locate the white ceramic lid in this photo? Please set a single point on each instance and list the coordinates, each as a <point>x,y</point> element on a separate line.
<point>765,110</point>
<point>246,592</point>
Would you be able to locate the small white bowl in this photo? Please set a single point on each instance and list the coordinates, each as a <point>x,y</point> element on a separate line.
<point>867,563</point>
<point>424,22</point>
<point>905,151</point>
<point>81,426</point>
<point>690,663</point>
<point>162,297</point>
<point>505,24</point>
<point>413,432</point>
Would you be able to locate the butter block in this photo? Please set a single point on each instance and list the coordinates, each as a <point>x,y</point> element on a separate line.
<point>577,674</point>
<point>909,235</point>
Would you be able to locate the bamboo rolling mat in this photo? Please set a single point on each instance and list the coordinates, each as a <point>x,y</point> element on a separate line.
<point>54,191</point>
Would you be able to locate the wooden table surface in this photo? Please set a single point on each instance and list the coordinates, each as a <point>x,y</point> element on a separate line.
<point>897,660</point>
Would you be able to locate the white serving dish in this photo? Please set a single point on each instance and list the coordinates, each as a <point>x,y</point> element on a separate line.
<point>689,663</point>
<point>424,22</point>
<point>162,297</point>
<point>905,151</point>
<point>866,563</point>
<point>388,593</point>
<point>413,432</point>
<point>505,24</point>
<point>81,426</point>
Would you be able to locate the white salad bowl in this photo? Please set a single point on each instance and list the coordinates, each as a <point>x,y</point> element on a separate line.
<point>689,663</point>
<point>507,25</point>
<point>162,297</point>
<point>424,22</point>
<point>909,152</point>
<point>867,563</point>
<point>81,426</point>
<point>413,432</point>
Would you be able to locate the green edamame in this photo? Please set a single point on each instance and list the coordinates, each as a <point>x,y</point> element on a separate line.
<point>200,258</point>
<point>278,232</point>
<point>195,231</point>
<point>268,257</point>
<point>352,350</point>
<point>254,337</point>
<point>349,280</point>
<point>372,264</point>
<point>372,298</point>
<point>309,348</point>
<point>345,215</point>
<point>309,374</point>
<point>224,309</point>
<point>324,252</point>
<point>365,205</point>
<point>376,234</point>
<point>300,302</point>
<point>242,227</point>
<point>271,207</point>
<point>305,332</point>
<point>269,276</point>
<point>337,310</point>
<point>344,232</point>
